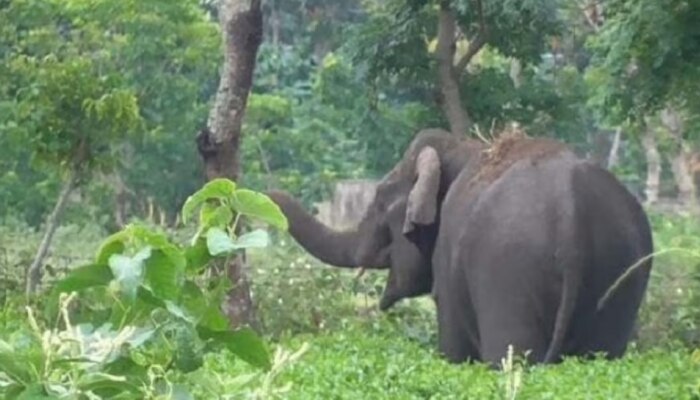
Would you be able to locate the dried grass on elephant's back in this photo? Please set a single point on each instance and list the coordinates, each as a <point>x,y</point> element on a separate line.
<point>512,146</point>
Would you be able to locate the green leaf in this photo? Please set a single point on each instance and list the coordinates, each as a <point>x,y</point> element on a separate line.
<point>215,216</point>
<point>218,242</point>
<point>22,367</point>
<point>129,271</point>
<point>175,310</point>
<point>206,307</point>
<point>244,343</point>
<point>256,238</point>
<point>259,206</point>
<point>188,350</point>
<point>78,279</point>
<point>220,188</point>
<point>159,241</point>
<point>197,256</point>
<point>35,391</point>
<point>163,276</point>
<point>84,277</point>
<point>114,244</point>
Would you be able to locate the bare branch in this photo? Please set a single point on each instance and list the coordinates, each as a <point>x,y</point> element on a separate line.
<point>591,12</point>
<point>477,44</point>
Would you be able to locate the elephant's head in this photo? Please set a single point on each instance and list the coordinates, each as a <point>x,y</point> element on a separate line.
<point>399,228</point>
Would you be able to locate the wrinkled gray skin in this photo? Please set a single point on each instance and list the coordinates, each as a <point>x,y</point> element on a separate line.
<point>519,259</point>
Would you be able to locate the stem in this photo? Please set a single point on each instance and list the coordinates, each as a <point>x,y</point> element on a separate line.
<point>34,272</point>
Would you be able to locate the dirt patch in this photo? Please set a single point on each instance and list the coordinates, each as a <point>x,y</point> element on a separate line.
<point>510,147</point>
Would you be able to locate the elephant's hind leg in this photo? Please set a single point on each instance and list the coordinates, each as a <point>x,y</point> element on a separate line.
<point>457,336</point>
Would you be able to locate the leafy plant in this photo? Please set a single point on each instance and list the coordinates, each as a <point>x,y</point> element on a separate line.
<point>143,307</point>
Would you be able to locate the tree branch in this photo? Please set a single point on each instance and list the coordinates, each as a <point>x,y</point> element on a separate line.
<point>477,44</point>
<point>450,100</point>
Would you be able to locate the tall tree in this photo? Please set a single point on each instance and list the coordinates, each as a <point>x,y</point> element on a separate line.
<point>646,63</point>
<point>66,102</point>
<point>457,31</point>
<point>219,142</point>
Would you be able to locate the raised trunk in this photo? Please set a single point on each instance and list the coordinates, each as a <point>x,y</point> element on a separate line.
<point>450,100</point>
<point>35,269</point>
<point>219,142</point>
<point>347,248</point>
<point>653,166</point>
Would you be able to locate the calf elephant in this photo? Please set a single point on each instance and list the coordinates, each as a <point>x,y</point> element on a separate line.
<point>517,241</point>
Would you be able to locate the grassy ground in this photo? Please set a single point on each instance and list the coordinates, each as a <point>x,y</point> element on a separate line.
<point>381,362</point>
<point>356,352</point>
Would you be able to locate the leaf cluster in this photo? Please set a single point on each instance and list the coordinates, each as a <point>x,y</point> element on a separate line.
<point>148,305</point>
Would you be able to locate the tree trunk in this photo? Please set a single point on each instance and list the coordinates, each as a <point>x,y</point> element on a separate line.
<point>694,168</point>
<point>34,272</point>
<point>613,155</point>
<point>673,121</point>
<point>683,177</point>
<point>653,165</point>
<point>219,142</point>
<point>450,100</point>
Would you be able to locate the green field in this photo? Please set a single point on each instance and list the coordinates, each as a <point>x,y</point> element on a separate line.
<point>347,349</point>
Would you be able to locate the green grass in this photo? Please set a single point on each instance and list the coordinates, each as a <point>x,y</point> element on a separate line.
<point>377,360</point>
<point>356,352</point>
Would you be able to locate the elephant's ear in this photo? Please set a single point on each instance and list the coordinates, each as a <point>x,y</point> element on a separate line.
<point>421,207</point>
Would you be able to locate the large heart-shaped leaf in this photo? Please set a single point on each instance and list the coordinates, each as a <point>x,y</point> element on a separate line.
<point>163,276</point>
<point>78,279</point>
<point>259,206</point>
<point>219,216</point>
<point>84,277</point>
<point>215,189</point>
<point>197,255</point>
<point>252,239</point>
<point>129,271</point>
<point>114,244</point>
<point>219,242</point>
<point>159,241</point>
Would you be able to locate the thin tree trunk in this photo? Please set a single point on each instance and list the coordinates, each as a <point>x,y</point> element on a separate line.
<point>694,168</point>
<point>218,143</point>
<point>450,100</point>
<point>34,272</point>
<point>673,121</point>
<point>613,155</point>
<point>653,165</point>
<point>683,177</point>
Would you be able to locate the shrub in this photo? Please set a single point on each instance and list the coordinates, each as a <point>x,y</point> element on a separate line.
<point>146,307</point>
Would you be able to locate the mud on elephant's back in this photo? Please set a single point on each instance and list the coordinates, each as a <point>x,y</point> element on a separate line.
<point>512,147</point>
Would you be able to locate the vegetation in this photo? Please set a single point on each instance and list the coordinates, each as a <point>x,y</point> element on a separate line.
<point>112,272</point>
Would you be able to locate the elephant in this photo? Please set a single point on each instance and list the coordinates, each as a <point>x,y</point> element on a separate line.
<point>517,242</point>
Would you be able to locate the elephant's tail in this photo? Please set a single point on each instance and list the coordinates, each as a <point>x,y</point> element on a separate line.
<point>563,319</point>
<point>571,261</point>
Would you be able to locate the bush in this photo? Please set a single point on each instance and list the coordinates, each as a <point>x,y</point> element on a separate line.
<point>671,309</point>
<point>144,309</point>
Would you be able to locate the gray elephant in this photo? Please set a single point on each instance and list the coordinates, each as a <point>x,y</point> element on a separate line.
<point>517,241</point>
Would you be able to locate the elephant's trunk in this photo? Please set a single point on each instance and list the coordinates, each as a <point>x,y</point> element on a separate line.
<point>338,248</point>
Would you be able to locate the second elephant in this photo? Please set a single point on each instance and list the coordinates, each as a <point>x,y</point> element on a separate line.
<point>517,241</point>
